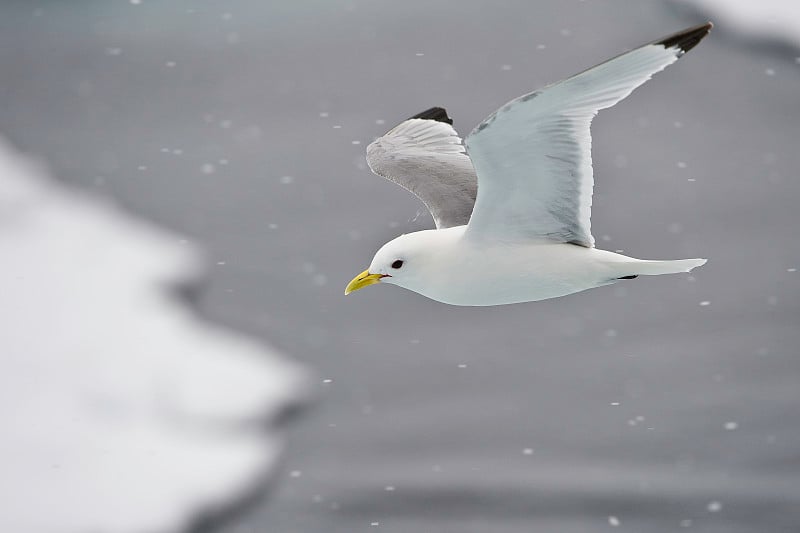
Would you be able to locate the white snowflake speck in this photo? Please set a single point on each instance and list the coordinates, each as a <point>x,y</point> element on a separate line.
<point>714,507</point>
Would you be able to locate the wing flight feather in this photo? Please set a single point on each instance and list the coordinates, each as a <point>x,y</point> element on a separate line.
<point>425,156</point>
<point>533,155</point>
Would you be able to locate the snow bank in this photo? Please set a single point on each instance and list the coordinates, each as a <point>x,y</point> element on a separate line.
<point>120,410</point>
<point>771,19</point>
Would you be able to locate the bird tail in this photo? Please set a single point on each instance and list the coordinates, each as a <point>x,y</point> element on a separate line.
<point>655,268</point>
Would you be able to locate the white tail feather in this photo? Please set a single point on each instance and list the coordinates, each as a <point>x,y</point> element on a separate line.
<point>654,268</point>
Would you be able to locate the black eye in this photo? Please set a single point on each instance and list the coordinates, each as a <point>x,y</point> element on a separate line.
<point>397,264</point>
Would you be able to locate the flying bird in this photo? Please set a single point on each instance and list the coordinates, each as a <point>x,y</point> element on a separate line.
<point>512,204</point>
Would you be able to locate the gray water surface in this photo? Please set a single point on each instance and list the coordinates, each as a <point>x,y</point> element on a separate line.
<point>655,405</point>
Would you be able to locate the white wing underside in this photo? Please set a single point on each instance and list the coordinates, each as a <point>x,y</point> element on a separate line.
<point>533,155</point>
<point>426,158</point>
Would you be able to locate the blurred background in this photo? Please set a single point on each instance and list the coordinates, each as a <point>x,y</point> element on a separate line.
<point>663,404</point>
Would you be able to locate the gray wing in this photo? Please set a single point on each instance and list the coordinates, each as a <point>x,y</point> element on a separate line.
<point>424,155</point>
<point>533,155</point>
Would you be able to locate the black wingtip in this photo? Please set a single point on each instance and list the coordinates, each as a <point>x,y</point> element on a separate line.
<point>435,113</point>
<point>686,39</point>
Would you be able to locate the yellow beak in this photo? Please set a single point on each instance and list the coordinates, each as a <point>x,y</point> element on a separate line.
<point>362,280</point>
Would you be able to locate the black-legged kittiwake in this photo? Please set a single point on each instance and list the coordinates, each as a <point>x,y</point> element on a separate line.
<point>512,204</point>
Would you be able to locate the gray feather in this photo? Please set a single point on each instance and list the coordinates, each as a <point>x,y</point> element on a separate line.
<point>426,158</point>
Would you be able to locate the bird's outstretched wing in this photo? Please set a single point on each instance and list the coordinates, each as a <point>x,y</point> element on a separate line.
<point>424,155</point>
<point>533,155</point>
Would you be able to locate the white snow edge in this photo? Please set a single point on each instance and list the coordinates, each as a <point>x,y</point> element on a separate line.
<point>121,411</point>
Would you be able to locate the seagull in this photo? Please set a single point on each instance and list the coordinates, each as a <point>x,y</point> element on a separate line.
<point>512,205</point>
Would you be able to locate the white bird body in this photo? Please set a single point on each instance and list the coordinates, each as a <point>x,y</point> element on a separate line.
<point>512,205</point>
<point>457,270</point>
